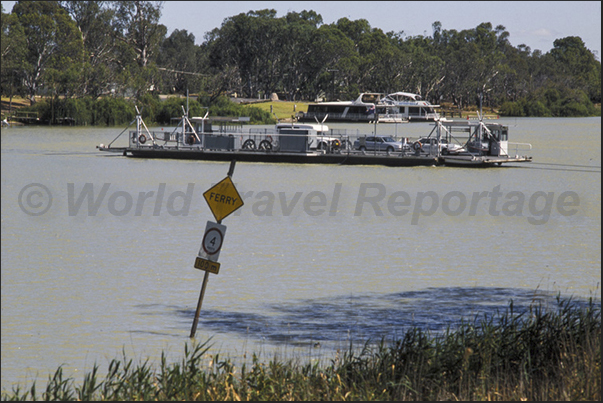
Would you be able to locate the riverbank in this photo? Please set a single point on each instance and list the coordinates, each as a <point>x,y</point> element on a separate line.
<point>282,111</point>
<point>541,354</point>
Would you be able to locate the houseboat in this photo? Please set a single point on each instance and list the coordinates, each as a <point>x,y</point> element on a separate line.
<point>397,107</point>
<point>361,110</point>
<point>405,106</point>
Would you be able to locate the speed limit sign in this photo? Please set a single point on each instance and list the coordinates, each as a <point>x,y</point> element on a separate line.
<point>212,241</point>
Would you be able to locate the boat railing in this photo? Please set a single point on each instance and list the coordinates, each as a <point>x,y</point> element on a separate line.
<point>338,141</point>
<point>269,141</point>
<point>333,116</point>
<point>519,147</point>
<point>392,118</point>
<point>141,139</point>
<point>270,131</point>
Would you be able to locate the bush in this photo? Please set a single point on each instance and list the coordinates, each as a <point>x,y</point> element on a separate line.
<point>512,109</point>
<point>573,109</point>
<point>149,105</point>
<point>113,111</point>
<point>173,107</point>
<point>536,108</point>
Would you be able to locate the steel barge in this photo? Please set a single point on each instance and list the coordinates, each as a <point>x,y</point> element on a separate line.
<point>223,139</point>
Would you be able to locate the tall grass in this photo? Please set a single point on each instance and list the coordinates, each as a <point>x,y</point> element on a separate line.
<point>541,354</point>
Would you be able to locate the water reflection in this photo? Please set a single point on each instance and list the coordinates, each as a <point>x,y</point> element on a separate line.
<point>368,317</point>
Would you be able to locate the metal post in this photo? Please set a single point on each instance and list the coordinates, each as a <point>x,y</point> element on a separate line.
<point>206,276</point>
<point>198,311</point>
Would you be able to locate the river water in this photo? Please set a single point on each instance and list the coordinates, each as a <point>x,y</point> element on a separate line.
<point>98,249</point>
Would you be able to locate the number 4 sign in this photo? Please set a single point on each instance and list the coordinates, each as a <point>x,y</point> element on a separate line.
<point>212,241</point>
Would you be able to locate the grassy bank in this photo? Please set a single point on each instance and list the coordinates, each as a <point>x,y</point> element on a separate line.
<point>283,110</point>
<point>552,354</point>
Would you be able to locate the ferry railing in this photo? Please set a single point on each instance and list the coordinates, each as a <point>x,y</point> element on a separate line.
<point>518,146</point>
<point>138,141</point>
<point>338,141</point>
<point>268,141</point>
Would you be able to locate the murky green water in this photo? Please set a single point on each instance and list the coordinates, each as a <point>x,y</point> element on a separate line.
<point>318,254</point>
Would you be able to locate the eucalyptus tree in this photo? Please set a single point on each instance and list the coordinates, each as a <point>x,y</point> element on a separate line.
<point>576,66</point>
<point>257,37</point>
<point>250,49</point>
<point>380,61</point>
<point>54,49</point>
<point>140,34</point>
<point>297,47</point>
<point>234,48</point>
<point>421,69</point>
<point>221,63</point>
<point>94,20</point>
<point>471,58</point>
<point>515,79</point>
<point>178,61</point>
<point>12,53</point>
<point>333,58</point>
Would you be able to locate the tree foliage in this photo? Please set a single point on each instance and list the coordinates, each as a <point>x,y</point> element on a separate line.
<point>89,49</point>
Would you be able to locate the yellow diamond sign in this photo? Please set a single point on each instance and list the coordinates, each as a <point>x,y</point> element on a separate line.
<point>223,199</point>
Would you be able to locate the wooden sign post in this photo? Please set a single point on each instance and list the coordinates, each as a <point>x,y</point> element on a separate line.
<point>223,199</point>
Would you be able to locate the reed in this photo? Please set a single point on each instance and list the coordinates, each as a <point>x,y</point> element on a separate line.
<point>545,353</point>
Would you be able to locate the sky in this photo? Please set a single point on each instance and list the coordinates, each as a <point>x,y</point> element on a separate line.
<point>534,23</point>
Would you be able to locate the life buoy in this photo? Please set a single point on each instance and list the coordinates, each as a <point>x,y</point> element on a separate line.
<point>336,144</point>
<point>417,146</point>
<point>142,139</point>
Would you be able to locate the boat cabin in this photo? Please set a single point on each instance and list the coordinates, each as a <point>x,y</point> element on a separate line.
<point>479,138</point>
<point>408,106</point>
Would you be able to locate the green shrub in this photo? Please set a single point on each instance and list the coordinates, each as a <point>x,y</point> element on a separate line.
<point>512,109</point>
<point>149,105</point>
<point>113,111</point>
<point>536,108</point>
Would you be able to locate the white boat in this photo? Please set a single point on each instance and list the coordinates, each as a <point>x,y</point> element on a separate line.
<point>405,106</point>
<point>362,109</point>
<point>397,107</point>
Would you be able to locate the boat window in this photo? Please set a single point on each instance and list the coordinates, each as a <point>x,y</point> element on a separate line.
<point>414,111</point>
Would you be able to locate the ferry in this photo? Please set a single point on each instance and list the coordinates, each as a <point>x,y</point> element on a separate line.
<point>460,143</point>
